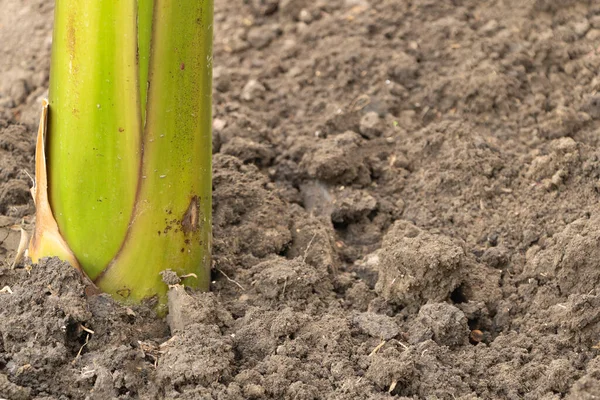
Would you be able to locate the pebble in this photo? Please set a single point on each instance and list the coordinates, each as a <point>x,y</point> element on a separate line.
<point>18,91</point>
<point>260,37</point>
<point>400,204</point>
<point>48,43</point>
<point>294,72</point>
<point>404,69</point>
<point>222,80</point>
<point>219,124</point>
<point>490,27</point>
<point>305,16</point>
<point>370,125</point>
<point>595,21</point>
<point>581,28</point>
<point>252,90</point>
<point>236,45</point>
<point>288,45</point>
<point>593,34</point>
<point>264,7</point>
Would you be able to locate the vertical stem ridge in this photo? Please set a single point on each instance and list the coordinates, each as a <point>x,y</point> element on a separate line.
<point>145,11</point>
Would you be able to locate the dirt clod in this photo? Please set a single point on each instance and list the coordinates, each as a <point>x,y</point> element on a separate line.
<point>443,323</point>
<point>377,326</point>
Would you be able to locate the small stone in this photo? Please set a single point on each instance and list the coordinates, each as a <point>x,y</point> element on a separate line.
<point>570,68</point>
<point>559,177</point>
<point>219,124</point>
<point>236,45</point>
<point>264,7</point>
<point>492,239</point>
<point>581,28</point>
<point>288,45</point>
<point>400,204</point>
<point>294,72</point>
<point>222,80</point>
<point>260,37</point>
<point>593,35</point>
<point>403,69</point>
<point>302,27</point>
<point>48,42</point>
<point>476,336</point>
<point>18,91</point>
<point>252,90</point>
<point>370,125</point>
<point>490,27</point>
<point>305,16</point>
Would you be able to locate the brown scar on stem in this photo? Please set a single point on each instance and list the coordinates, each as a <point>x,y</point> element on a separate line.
<point>191,218</point>
<point>125,292</point>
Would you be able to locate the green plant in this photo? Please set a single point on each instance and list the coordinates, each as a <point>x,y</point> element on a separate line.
<point>123,163</point>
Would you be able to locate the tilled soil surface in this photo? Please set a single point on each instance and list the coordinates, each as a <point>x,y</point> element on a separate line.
<point>405,206</point>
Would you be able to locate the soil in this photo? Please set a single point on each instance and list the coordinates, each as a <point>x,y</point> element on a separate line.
<point>405,206</point>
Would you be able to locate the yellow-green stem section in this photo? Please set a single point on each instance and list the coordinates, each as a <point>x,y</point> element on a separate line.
<point>129,140</point>
<point>173,208</point>
<point>94,126</point>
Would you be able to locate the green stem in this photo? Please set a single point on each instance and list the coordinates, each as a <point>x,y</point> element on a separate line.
<point>129,141</point>
<point>94,126</point>
<point>173,210</point>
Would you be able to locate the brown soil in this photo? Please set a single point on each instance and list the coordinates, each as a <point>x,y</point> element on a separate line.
<point>406,205</point>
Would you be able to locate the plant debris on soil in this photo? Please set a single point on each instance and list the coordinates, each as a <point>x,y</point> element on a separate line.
<point>405,206</point>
